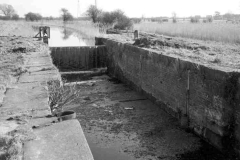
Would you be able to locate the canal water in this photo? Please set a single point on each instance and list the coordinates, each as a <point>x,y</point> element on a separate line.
<point>64,37</point>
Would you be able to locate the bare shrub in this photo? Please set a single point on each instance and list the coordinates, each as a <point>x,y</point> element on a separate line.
<point>60,95</point>
<point>216,60</point>
<point>7,10</point>
<point>32,16</point>
<point>209,19</point>
<point>66,15</point>
<point>174,20</point>
<point>15,17</point>
<point>93,12</point>
<point>174,17</point>
<point>194,19</point>
<point>117,19</point>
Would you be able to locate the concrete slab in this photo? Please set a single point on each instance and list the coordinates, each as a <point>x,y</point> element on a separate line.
<point>25,99</point>
<point>61,141</point>
<point>26,105</point>
<point>37,61</point>
<point>7,126</point>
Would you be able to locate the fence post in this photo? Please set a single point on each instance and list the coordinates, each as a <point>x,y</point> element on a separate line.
<point>45,39</point>
<point>136,34</point>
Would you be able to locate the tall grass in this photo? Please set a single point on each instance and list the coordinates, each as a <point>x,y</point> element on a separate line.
<point>220,32</point>
<point>17,28</point>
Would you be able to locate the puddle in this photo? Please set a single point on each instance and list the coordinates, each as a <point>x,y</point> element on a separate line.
<point>100,153</point>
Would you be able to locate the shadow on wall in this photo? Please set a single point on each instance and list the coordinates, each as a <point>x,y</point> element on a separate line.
<point>79,58</point>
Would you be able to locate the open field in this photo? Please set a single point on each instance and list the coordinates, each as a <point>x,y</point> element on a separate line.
<point>220,32</point>
<point>16,28</point>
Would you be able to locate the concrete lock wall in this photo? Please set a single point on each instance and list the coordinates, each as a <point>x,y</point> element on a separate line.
<point>79,58</point>
<point>213,102</point>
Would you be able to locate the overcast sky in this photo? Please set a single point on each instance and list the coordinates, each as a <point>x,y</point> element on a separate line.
<point>132,8</point>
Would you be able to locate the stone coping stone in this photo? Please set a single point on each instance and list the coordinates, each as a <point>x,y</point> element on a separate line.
<point>60,141</point>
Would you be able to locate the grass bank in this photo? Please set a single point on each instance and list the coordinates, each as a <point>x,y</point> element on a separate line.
<point>15,41</point>
<point>16,28</point>
<point>220,32</point>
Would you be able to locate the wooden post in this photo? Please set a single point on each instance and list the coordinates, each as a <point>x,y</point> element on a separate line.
<point>40,34</point>
<point>45,39</point>
<point>136,34</point>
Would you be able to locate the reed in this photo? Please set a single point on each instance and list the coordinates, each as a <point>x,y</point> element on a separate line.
<point>220,32</point>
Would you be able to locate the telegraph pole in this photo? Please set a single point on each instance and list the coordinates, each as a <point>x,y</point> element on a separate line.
<point>96,3</point>
<point>78,9</point>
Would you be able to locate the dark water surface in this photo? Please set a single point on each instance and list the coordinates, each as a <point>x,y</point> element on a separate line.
<point>100,153</point>
<point>64,37</point>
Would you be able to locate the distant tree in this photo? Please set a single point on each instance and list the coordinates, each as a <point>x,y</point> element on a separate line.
<point>209,18</point>
<point>230,16</point>
<point>195,19</point>
<point>32,16</point>
<point>107,18</point>
<point>5,18</point>
<point>15,17</point>
<point>121,20</point>
<point>165,19</point>
<point>7,10</point>
<point>217,15</point>
<point>136,20</point>
<point>174,17</point>
<point>66,15</point>
<point>117,19</point>
<point>49,18</point>
<point>94,13</point>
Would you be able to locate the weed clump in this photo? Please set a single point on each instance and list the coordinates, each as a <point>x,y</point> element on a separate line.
<point>216,60</point>
<point>60,95</point>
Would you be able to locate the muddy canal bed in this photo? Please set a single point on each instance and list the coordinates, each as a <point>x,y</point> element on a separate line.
<point>122,124</point>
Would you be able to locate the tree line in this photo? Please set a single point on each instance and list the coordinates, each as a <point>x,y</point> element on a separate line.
<point>116,19</point>
<point>7,12</point>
